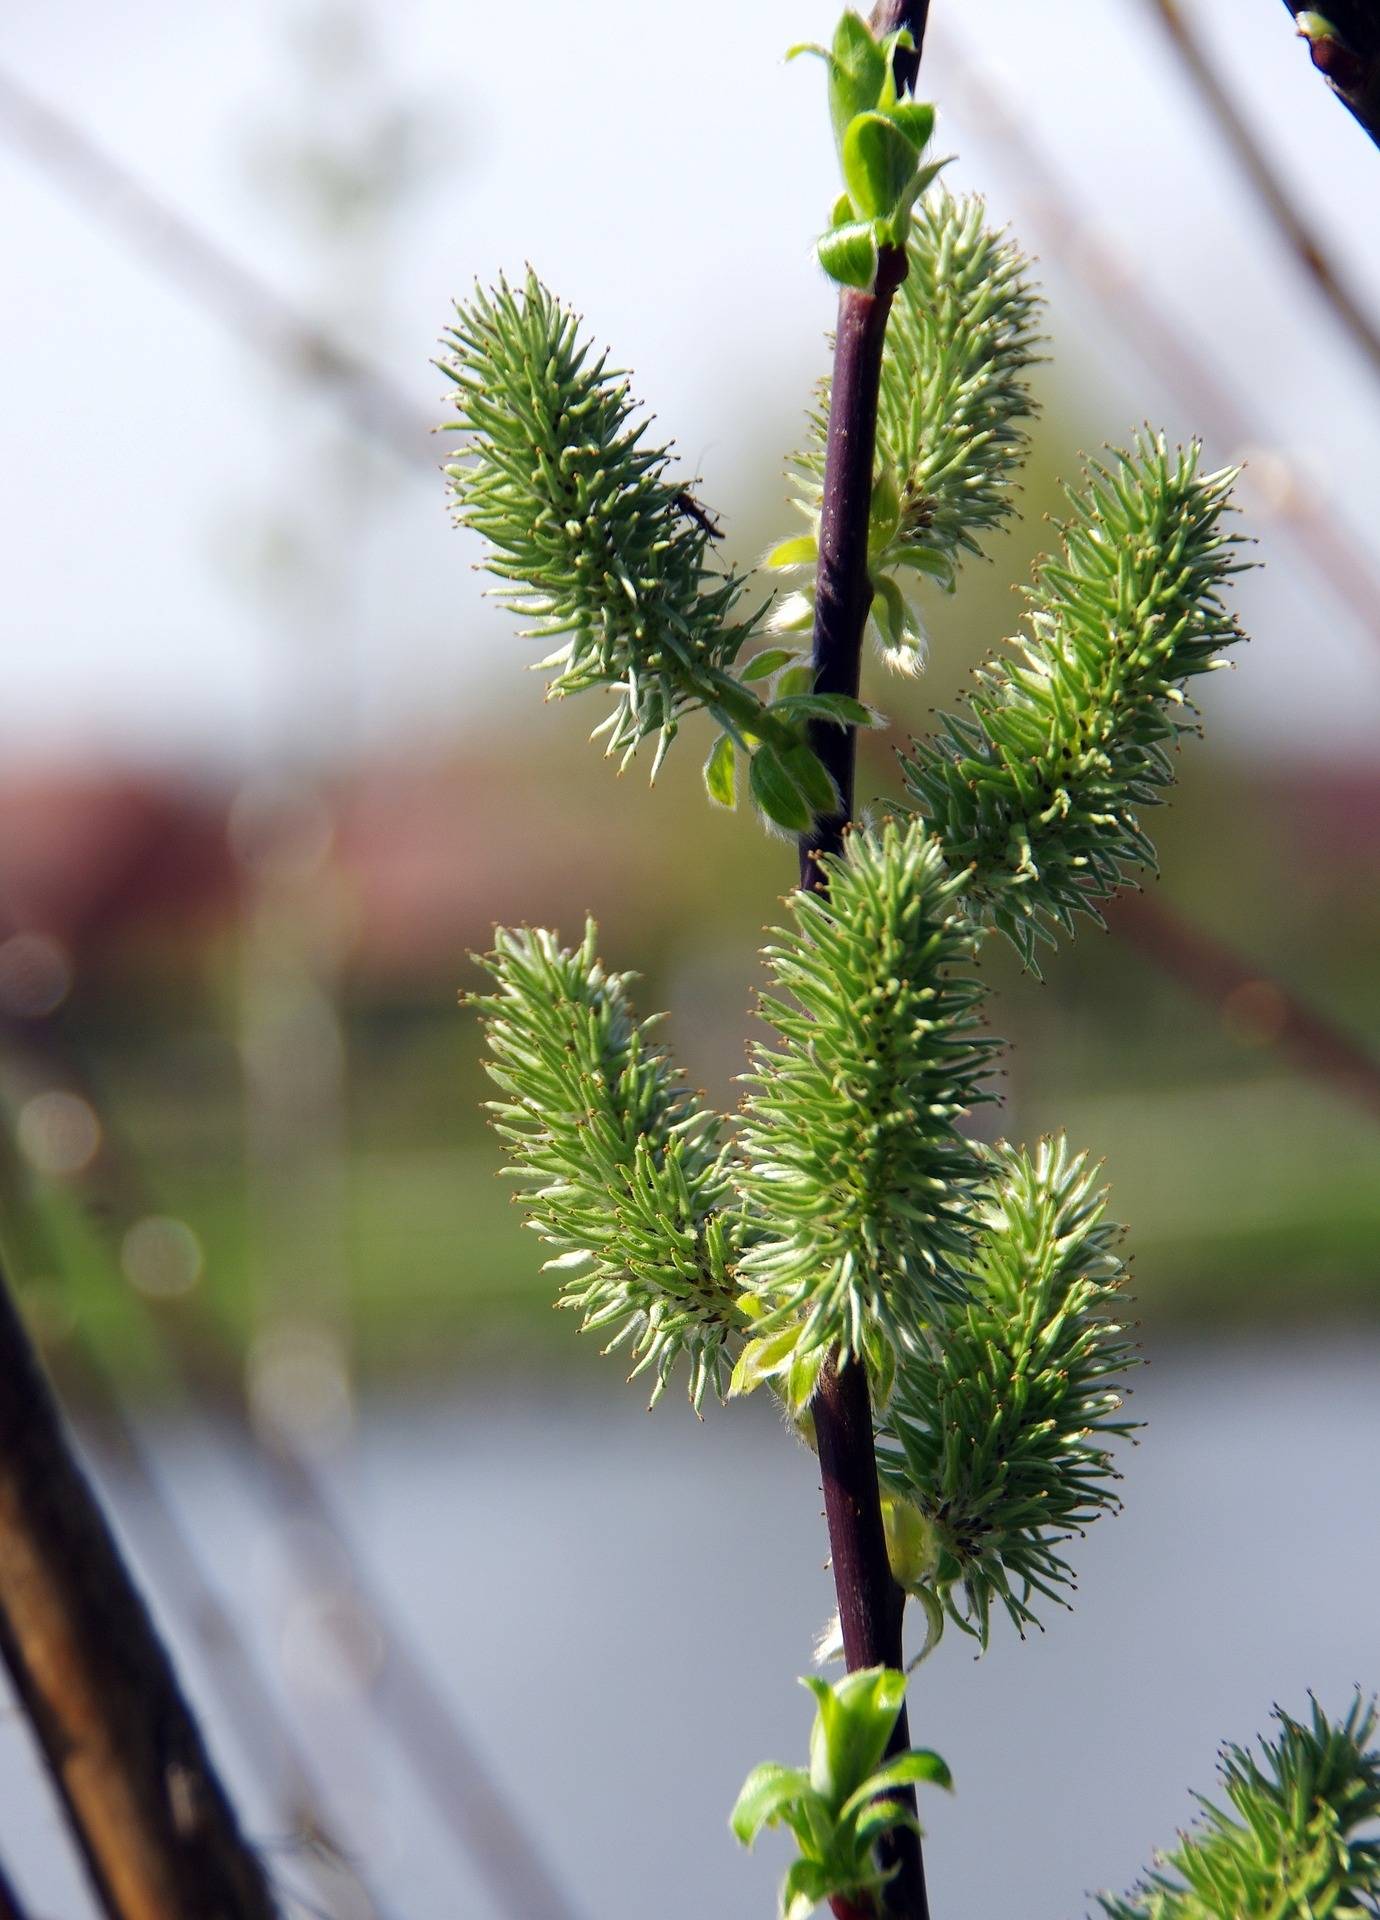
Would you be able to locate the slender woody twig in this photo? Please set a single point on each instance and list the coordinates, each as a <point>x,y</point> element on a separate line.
<point>1271,190</point>
<point>1344,41</point>
<point>871,1605</point>
<point>154,1825</point>
<point>248,306</point>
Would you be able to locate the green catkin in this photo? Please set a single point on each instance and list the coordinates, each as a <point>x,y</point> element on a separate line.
<point>585,527</point>
<point>951,435</point>
<point>622,1171</point>
<point>1036,785</point>
<point>998,1428</point>
<point>1300,1841</point>
<point>598,547</point>
<point>855,1171</point>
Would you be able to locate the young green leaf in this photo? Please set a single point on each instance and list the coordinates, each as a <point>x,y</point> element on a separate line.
<point>768,1794</point>
<point>776,792</point>
<point>848,1801</point>
<point>878,165</point>
<point>848,254</point>
<point>721,773</point>
<point>858,68</point>
<point>853,1723</point>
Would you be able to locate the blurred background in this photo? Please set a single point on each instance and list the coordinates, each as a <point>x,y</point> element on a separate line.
<point>270,769</point>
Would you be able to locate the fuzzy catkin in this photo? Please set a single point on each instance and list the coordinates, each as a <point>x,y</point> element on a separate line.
<point>593,540</point>
<point>855,1171</point>
<point>1036,785</point>
<point>998,1428</point>
<point>951,424</point>
<point>1299,1840</point>
<point>622,1171</point>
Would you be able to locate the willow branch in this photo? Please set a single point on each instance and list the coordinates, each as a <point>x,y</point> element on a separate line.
<point>871,1605</point>
<point>1349,56</point>
<point>1268,181</point>
<point>154,1825</point>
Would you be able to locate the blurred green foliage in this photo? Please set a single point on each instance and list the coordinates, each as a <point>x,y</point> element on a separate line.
<point>1250,1190</point>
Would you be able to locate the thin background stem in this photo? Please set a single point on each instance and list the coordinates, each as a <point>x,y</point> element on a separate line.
<point>1271,187</point>
<point>10,1906</point>
<point>1340,565</point>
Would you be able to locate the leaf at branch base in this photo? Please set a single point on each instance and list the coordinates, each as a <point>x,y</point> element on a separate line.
<point>776,793</point>
<point>721,773</point>
<point>848,254</point>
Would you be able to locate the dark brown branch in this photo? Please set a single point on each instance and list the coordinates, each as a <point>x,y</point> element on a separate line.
<point>871,1605</point>
<point>158,1834</point>
<point>11,1907</point>
<point>1349,58</point>
<point>245,1698</point>
<point>843,590</point>
<point>406,1700</point>
<point>1269,183</point>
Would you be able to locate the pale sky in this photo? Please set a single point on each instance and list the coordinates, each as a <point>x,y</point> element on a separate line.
<point>666,172</point>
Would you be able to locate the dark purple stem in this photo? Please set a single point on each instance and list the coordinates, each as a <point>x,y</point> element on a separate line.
<point>871,1605</point>
<point>870,1602</point>
<point>887,16</point>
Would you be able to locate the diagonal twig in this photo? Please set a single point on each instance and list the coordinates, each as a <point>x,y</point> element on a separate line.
<point>1341,566</point>
<point>1344,41</point>
<point>220,284</point>
<point>1214,972</point>
<point>154,1825</point>
<point>11,1907</point>
<point>1268,181</point>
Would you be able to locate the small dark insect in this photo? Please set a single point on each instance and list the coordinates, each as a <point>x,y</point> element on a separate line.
<point>691,508</point>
